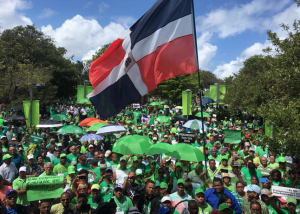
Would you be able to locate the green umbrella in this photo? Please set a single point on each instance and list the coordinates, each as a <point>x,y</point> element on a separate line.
<point>187,152</point>
<point>70,130</point>
<point>84,101</point>
<point>95,127</point>
<point>59,117</point>
<point>160,148</point>
<point>166,106</point>
<point>205,114</point>
<point>161,102</point>
<point>163,119</point>
<point>155,104</point>
<point>131,145</point>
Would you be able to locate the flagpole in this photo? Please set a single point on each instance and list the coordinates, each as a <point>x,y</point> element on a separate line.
<point>197,64</point>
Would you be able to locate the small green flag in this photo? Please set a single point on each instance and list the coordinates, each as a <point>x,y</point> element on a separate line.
<point>186,105</point>
<point>35,112</point>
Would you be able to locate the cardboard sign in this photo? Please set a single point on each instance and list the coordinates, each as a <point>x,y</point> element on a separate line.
<point>286,192</point>
<point>44,187</point>
<point>189,138</point>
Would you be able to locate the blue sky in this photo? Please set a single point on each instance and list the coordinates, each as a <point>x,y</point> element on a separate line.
<point>228,32</point>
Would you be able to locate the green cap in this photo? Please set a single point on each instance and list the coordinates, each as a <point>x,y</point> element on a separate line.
<point>178,164</point>
<point>123,158</point>
<point>223,207</point>
<point>291,200</point>
<point>134,158</point>
<point>150,133</point>
<point>71,170</point>
<point>163,185</point>
<point>153,161</point>
<point>62,155</point>
<point>199,190</point>
<point>139,156</point>
<point>157,184</point>
<point>7,156</point>
<point>181,181</point>
<point>224,157</point>
<point>281,160</point>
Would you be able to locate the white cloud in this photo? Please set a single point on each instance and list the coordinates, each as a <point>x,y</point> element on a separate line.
<point>11,15</point>
<point>46,13</point>
<point>88,4</point>
<point>102,7</point>
<point>126,21</point>
<point>238,19</point>
<point>79,35</point>
<point>206,51</point>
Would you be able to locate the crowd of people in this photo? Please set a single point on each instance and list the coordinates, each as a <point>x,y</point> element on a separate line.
<point>235,178</point>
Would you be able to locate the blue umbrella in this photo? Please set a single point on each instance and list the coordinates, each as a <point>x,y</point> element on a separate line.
<point>90,137</point>
<point>207,100</point>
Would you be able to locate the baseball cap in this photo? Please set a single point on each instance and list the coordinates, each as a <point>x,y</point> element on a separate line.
<point>82,157</point>
<point>163,210</point>
<point>14,138</point>
<point>123,158</point>
<point>253,188</point>
<point>163,185</point>
<point>10,191</point>
<point>118,187</point>
<point>73,163</point>
<point>165,198</point>
<point>20,148</point>
<point>234,163</point>
<point>62,155</point>
<point>165,135</point>
<point>223,207</point>
<point>178,164</point>
<point>7,156</point>
<point>166,157</point>
<point>199,190</point>
<point>157,184</point>
<point>264,192</point>
<point>59,144</point>
<point>108,169</point>
<point>153,161</point>
<point>225,175</point>
<point>291,200</point>
<point>30,157</point>
<point>281,160</point>
<point>154,138</point>
<point>71,170</point>
<point>95,186</point>
<point>3,136</point>
<point>139,156</point>
<point>91,145</point>
<point>181,181</point>
<point>139,172</point>
<point>103,166</point>
<point>107,153</point>
<point>22,169</point>
<point>247,144</point>
<point>251,149</point>
<point>134,158</point>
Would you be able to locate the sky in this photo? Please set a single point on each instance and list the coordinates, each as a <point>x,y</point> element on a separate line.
<point>228,32</point>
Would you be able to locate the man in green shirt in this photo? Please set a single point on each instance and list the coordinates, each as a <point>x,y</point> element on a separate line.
<point>106,186</point>
<point>253,192</point>
<point>204,208</point>
<point>95,200</point>
<point>48,170</point>
<point>73,155</point>
<point>62,167</point>
<point>283,169</point>
<point>123,202</point>
<point>19,184</point>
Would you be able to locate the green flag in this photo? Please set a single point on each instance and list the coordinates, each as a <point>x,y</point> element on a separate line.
<point>89,89</point>
<point>213,92</point>
<point>151,120</point>
<point>186,105</point>
<point>232,136</point>
<point>35,112</point>
<point>80,91</point>
<point>222,92</point>
<point>268,129</point>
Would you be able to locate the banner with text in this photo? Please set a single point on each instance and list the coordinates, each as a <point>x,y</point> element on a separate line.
<point>189,138</point>
<point>232,136</point>
<point>44,187</point>
<point>286,192</point>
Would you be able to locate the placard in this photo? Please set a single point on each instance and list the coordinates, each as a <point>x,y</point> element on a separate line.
<point>189,138</point>
<point>44,187</point>
<point>286,192</point>
<point>136,105</point>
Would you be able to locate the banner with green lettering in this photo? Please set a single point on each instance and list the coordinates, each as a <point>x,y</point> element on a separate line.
<point>35,111</point>
<point>232,136</point>
<point>45,187</point>
<point>186,105</point>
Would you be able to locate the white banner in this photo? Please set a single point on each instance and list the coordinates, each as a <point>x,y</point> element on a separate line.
<point>286,192</point>
<point>136,105</point>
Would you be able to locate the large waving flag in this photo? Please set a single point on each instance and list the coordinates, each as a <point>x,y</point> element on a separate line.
<point>157,47</point>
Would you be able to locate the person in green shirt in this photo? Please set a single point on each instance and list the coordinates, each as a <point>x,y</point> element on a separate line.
<point>214,155</point>
<point>224,164</point>
<point>123,202</point>
<point>251,171</point>
<point>107,186</point>
<point>19,184</point>
<point>204,208</point>
<point>62,167</point>
<point>95,200</point>
<point>273,164</point>
<point>73,155</point>
<point>48,170</point>
<point>56,160</point>
<point>82,163</point>
<point>227,182</point>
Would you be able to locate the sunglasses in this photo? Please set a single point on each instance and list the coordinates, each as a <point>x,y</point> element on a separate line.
<point>65,199</point>
<point>11,197</point>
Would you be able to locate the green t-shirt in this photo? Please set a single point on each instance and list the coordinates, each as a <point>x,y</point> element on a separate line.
<point>59,168</point>
<point>20,184</point>
<point>124,204</point>
<point>71,157</point>
<point>106,191</point>
<point>205,209</point>
<point>55,161</point>
<point>271,210</point>
<point>94,204</point>
<point>97,171</point>
<point>85,166</point>
<point>83,150</point>
<point>248,176</point>
<point>230,188</point>
<point>273,165</point>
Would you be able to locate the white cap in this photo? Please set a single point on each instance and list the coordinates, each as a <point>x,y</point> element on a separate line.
<point>59,144</point>
<point>22,169</point>
<point>165,135</point>
<point>91,146</point>
<point>107,153</point>
<point>252,149</point>
<point>214,115</point>
<point>12,126</point>
<point>166,198</point>
<point>154,138</point>
<point>3,136</point>
<point>14,138</point>
<point>30,157</point>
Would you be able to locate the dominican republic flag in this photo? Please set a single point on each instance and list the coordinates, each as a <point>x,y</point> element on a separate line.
<point>159,46</point>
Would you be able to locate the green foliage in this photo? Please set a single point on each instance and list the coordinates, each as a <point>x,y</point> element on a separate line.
<point>269,87</point>
<point>28,57</point>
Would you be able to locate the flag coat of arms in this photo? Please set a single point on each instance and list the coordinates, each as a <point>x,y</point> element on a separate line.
<point>159,46</point>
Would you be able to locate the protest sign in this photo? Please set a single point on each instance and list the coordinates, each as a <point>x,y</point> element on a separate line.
<point>44,187</point>
<point>187,138</point>
<point>136,105</point>
<point>36,139</point>
<point>232,136</point>
<point>286,192</point>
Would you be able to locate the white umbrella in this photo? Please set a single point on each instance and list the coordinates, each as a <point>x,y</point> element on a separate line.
<point>49,124</point>
<point>111,129</point>
<point>194,124</point>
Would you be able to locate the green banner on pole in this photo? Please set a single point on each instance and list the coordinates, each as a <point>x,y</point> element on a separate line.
<point>35,112</point>
<point>89,89</point>
<point>80,91</point>
<point>222,92</point>
<point>36,139</point>
<point>213,92</point>
<point>186,105</point>
<point>45,187</point>
<point>232,136</point>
